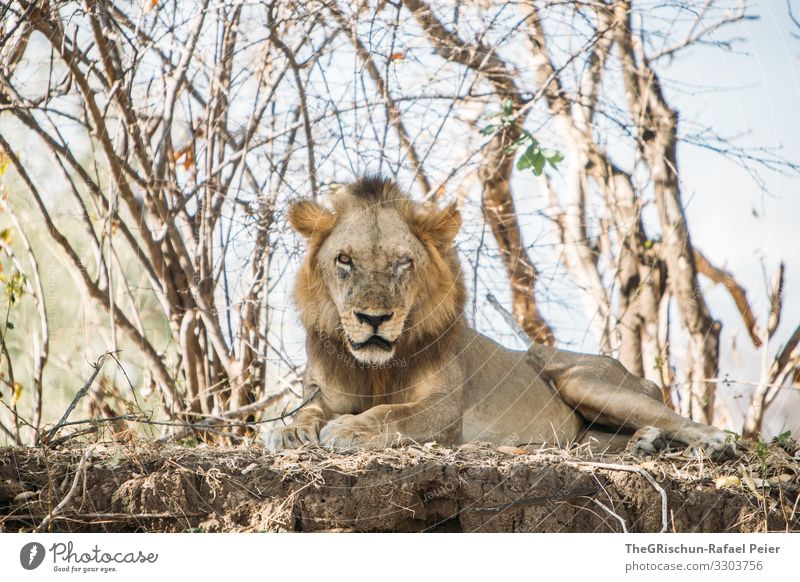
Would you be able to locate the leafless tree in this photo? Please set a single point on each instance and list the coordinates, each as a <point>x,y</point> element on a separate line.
<point>177,131</point>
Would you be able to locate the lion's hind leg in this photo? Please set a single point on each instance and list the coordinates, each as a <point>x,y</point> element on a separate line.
<point>601,440</point>
<point>646,441</point>
<point>603,392</point>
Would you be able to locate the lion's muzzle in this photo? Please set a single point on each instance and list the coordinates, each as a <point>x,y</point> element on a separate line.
<point>372,334</point>
<point>374,321</point>
<point>374,340</point>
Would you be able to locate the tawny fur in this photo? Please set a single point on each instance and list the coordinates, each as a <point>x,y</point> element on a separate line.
<point>391,359</point>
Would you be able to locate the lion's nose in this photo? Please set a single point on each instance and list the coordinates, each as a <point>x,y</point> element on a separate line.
<point>374,320</point>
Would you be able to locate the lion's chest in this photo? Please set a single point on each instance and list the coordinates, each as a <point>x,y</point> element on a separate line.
<point>361,389</point>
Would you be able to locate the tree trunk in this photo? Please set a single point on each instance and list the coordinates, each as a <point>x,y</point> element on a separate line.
<point>656,125</point>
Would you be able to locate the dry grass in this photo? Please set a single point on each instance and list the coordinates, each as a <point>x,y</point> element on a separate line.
<point>102,486</point>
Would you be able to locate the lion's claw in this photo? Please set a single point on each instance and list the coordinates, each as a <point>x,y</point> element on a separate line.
<point>700,440</point>
<point>646,441</point>
<point>349,432</point>
<point>291,437</point>
<point>720,447</point>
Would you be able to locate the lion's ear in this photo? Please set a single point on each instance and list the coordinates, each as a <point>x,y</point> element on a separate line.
<point>310,219</point>
<point>439,227</point>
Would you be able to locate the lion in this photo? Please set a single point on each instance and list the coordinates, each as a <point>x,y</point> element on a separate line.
<point>392,361</point>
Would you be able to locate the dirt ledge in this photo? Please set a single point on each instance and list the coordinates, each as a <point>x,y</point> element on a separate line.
<point>126,488</point>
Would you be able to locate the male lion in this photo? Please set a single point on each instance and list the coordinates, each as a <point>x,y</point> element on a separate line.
<point>391,359</point>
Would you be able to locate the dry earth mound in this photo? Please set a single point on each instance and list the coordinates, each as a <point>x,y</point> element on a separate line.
<point>126,488</point>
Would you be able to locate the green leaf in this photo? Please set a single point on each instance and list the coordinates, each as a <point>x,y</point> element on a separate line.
<point>14,286</point>
<point>555,158</point>
<point>508,106</point>
<point>532,158</point>
<point>538,164</point>
<point>519,143</point>
<point>488,130</point>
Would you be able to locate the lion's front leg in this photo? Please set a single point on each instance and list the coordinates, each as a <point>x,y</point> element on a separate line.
<point>350,431</point>
<point>304,430</point>
<point>436,418</point>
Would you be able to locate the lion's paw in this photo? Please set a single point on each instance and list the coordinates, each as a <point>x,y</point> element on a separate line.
<point>291,437</point>
<point>647,441</point>
<point>350,432</point>
<point>715,444</point>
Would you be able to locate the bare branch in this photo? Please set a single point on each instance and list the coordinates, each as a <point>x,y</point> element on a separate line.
<point>495,173</point>
<point>701,28</point>
<point>392,111</point>
<point>166,381</point>
<point>775,301</point>
<point>736,291</point>
<point>656,129</point>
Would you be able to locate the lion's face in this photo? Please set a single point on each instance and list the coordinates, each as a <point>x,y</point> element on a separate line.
<point>371,264</point>
<point>375,271</point>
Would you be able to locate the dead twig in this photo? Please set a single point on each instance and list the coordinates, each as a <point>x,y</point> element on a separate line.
<point>613,514</point>
<point>510,321</point>
<point>111,517</point>
<point>639,471</point>
<point>81,393</point>
<point>231,414</point>
<point>66,499</point>
<point>736,291</point>
<point>61,440</point>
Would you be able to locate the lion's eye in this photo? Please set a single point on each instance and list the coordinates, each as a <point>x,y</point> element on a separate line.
<point>404,263</point>
<point>344,259</point>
